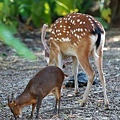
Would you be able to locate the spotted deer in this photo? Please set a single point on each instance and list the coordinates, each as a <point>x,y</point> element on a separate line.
<point>80,36</point>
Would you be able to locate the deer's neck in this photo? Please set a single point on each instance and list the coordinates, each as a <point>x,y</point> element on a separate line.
<point>25,99</point>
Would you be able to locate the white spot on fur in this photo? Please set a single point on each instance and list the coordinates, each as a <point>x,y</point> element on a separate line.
<point>69,18</point>
<point>75,34</point>
<point>64,29</point>
<point>60,33</point>
<point>84,33</point>
<point>53,32</point>
<point>92,25</point>
<point>87,16</point>
<point>66,39</point>
<point>81,29</point>
<point>57,30</point>
<point>73,22</point>
<point>78,37</point>
<point>75,44</point>
<point>67,31</point>
<point>89,19</point>
<point>51,38</point>
<point>78,20</point>
<point>74,30</point>
<point>81,22</point>
<point>68,26</point>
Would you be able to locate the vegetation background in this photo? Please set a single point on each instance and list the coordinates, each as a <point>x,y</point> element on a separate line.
<point>21,22</point>
<point>32,14</point>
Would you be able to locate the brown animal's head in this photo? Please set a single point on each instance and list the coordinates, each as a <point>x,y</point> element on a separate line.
<point>15,109</point>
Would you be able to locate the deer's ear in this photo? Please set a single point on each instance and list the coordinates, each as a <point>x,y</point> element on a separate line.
<point>11,100</point>
<point>8,98</point>
<point>12,96</point>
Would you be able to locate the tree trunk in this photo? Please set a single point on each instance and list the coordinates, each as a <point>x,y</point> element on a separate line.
<point>115,8</point>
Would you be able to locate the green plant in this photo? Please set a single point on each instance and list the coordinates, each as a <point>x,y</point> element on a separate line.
<point>7,37</point>
<point>37,12</point>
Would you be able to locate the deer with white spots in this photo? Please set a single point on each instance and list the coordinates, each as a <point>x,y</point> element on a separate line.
<point>80,36</point>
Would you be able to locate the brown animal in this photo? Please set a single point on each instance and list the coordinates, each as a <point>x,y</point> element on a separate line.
<point>80,36</point>
<point>47,80</point>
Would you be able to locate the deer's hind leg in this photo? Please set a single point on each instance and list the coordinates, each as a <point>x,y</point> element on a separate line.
<point>98,63</point>
<point>84,62</point>
<point>57,94</point>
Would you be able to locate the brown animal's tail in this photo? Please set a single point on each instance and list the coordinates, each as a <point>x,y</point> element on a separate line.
<point>65,75</point>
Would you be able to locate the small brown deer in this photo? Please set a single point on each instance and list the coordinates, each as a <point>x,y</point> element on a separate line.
<point>47,80</point>
<point>80,36</point>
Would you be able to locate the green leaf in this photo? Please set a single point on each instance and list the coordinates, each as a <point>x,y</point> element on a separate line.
<point>63,7</point>
<point>86,6</point>
<point>41,13</point>
<point>7,37</point>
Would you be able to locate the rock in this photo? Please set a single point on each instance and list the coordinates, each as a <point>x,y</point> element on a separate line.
<point>82,80</point>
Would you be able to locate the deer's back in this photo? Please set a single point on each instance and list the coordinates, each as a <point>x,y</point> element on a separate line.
<point>46,80</point>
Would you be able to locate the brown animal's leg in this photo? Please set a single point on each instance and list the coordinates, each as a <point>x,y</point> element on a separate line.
<point>57,94</point>
<point>54,93</point>
<point>59,98</point>
<point>84,62</point>
<point>33,107</point>
<point>39,101</point>
<point>98,63</point>
<point>55,110</point>
<point>75,73</point>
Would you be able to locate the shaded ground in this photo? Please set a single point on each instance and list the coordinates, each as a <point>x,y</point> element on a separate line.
<point>15,72</point>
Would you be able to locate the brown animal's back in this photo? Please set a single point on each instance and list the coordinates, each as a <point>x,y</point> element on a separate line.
<point>45,80</point>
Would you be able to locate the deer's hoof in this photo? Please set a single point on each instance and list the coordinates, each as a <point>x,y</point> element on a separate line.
<point>76,92</point>
<point>106,107</point>
<point>82,103</point>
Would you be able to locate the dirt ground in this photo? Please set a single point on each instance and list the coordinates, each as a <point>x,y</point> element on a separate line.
<point>15,72</point>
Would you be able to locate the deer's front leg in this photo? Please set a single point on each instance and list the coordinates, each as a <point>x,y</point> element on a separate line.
<point>75,73</point>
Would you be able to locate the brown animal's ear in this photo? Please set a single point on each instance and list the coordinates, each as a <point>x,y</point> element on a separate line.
<point>12,100</point>
<point>8,98</point>
<point>12,96</point>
